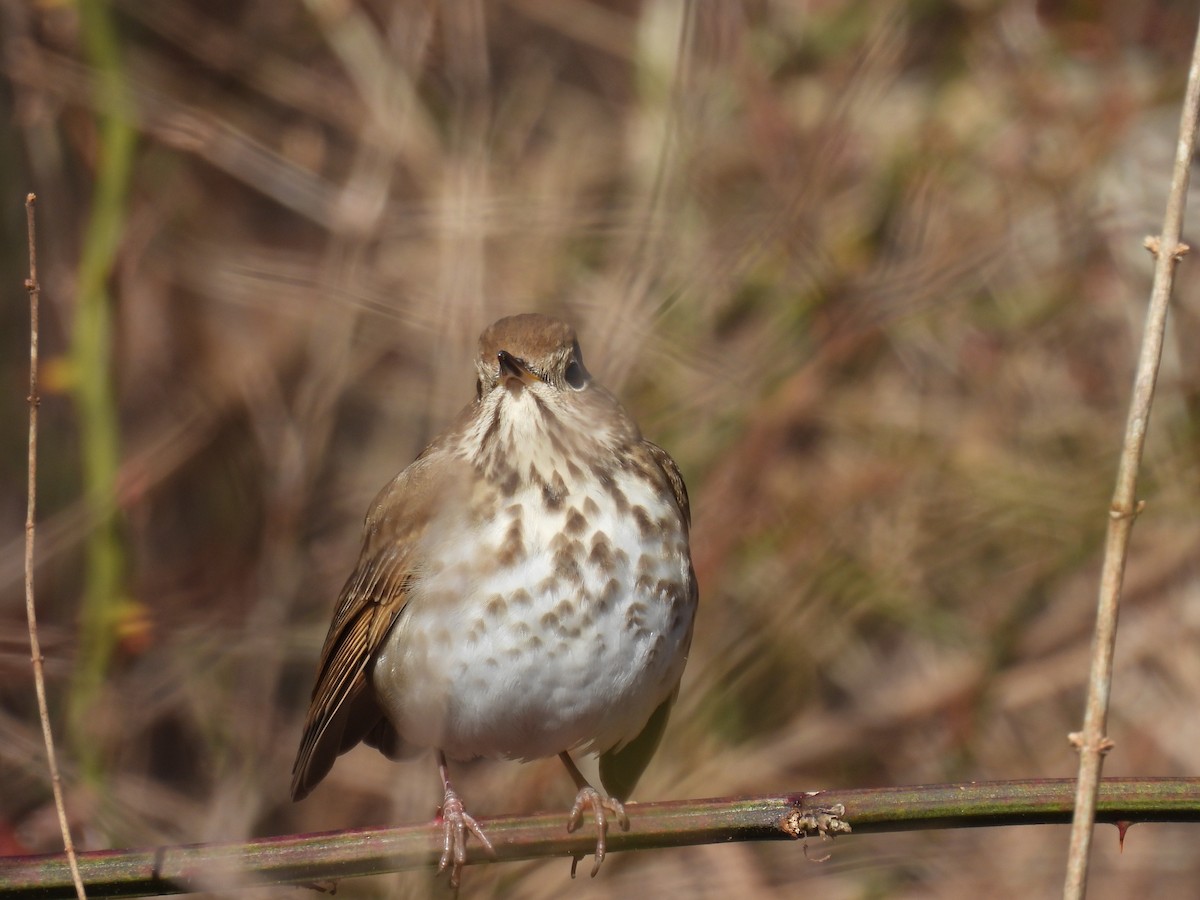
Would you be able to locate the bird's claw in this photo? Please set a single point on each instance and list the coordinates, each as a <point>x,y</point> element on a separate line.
<point>601,806</point>
<point>456,822</point>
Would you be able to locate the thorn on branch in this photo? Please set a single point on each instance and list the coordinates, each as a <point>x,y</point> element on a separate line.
<point>1123,826</point>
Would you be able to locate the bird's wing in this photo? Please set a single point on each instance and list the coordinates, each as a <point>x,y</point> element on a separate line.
<point>670,470</point>
<point>343,710</point>
<point>621,769</point>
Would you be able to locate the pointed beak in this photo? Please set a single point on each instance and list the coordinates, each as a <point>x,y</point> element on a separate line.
<point>511,367</point>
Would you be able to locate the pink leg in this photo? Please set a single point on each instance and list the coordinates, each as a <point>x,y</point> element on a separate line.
<point>589,796</point>
<point>455,825</point>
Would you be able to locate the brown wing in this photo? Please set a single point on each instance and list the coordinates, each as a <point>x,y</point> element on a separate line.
<point>664,462</point>
<point>621,769</point>
<point>343,710</point>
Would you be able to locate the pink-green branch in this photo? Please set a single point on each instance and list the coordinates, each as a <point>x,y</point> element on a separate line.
<point>324,857</point>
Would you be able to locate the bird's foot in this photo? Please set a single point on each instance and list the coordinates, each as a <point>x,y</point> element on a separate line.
<point>601,806</point>
<point>456,822</point>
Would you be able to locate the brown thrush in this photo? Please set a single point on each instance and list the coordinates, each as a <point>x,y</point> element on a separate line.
<point>524,590</point>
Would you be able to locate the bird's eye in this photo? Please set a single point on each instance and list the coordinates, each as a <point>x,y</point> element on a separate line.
<point>575,375</point>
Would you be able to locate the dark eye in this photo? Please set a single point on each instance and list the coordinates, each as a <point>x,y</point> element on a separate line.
<point>575,375</point>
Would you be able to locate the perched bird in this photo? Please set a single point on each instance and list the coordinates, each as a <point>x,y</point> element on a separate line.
<point>525,590</point>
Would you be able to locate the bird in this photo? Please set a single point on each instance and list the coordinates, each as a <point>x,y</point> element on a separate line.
<point>525,590</point>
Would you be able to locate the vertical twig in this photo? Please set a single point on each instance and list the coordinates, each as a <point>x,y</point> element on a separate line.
<point>1092,741</point>
<point>34,289</point>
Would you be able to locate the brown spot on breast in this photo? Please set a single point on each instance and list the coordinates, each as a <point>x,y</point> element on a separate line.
<point>608,596</point>
<point>520,597</point>
<point>510,481</point>
<point>495,606</point>
<point>553,492</point>
<point>576,523</point>
<point>635,618</point>
<point>549,622</point>
<point>603,475</point>
<point>590,508</point>
<point>602,555</point>
<point>567,555</point>
<point>645,525</point>
<point>671,591</point>
<point>512,551</point>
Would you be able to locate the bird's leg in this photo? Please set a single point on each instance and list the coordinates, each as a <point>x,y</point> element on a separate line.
<point>589,796</point>
<point>455,825</point>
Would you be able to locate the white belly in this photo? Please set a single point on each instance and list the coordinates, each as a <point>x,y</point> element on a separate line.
<point>572,645</point>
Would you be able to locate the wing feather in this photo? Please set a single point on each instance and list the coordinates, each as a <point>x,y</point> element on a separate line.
<point>670,471</point>
<point>344,710</point>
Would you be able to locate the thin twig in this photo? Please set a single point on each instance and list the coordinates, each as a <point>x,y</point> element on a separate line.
<point>322,858</point>
<point>34,288</point>
<point>1092,741</point>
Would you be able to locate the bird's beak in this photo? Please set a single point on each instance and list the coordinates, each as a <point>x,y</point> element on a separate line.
<point>512,367</point>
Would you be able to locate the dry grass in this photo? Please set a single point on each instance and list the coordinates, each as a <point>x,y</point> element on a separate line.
<point>871,271</point>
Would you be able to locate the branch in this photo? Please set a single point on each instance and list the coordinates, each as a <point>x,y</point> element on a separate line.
<point>309,858</point>
<point>34,288</point>
<point>1092,741</point>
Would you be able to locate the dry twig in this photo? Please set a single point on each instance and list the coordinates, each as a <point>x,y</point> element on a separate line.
<point>1092,741</point>
<point>33,287</point>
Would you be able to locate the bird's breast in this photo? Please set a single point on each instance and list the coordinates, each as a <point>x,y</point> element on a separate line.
<point>544,618</point>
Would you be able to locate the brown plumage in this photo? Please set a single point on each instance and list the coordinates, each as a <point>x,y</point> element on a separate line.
<point>524,589</point>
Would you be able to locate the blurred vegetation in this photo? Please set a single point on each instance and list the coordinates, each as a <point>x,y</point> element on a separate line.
<point>871,271</point>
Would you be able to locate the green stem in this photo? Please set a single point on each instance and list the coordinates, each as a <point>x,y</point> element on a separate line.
<point>319,858</point>
<point>91,366</point>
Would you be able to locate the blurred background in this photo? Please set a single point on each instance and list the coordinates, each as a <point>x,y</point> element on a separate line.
<point>871,271</point>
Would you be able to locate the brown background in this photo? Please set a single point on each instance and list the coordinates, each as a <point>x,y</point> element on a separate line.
<point>872,272</point>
